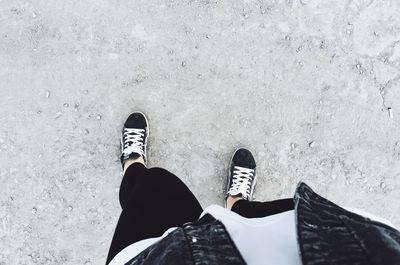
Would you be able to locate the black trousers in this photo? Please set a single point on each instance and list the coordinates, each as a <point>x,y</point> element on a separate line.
<point>154,200</point>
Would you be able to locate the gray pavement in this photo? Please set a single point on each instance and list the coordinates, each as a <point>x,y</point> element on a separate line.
<point>311,87</point>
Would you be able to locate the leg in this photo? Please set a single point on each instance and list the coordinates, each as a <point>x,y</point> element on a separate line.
<point>253,209</point>
<point>152,200</point>
<point>241,181</point>
<point>129,181</point>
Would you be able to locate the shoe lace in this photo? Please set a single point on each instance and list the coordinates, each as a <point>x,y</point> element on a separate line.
<point>133,141</point>
<point>241,182</point>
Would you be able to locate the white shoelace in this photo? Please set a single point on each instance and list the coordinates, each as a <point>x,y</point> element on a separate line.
<point>241,182</point>
<point>133,141</point>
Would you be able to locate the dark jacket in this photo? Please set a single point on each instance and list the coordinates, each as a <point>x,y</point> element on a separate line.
<point>326,234</point>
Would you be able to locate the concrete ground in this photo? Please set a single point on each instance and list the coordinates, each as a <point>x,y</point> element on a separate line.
<point>311,87</point>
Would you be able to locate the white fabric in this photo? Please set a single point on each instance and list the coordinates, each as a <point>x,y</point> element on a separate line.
<point>267,240</point>
<point>270,238</point>
<point>134,249</point>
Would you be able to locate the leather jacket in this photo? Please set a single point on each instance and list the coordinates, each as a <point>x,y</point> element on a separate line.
<point>326,234</point>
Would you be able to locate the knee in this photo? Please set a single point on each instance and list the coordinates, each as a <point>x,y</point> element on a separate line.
<point>160,174</point>
<point>158,171</point>
<point>161,180</point>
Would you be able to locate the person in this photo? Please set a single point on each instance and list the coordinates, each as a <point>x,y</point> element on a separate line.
<point>162,222</point>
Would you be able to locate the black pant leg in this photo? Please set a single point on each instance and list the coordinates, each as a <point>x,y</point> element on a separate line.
<point>251,209</point>
<point>158,200</point>
<point>133,173</point>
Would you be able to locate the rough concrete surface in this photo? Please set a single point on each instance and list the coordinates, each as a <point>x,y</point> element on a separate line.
<point>311,87</point>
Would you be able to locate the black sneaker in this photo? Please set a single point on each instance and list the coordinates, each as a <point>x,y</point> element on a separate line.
<point>242,175</point>
<point>134,137</point>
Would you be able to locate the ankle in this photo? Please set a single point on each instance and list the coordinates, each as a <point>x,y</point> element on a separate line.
<point>131,161</point>
<point>230,201</point>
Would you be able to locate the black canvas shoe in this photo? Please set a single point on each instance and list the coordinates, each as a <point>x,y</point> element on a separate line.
<point>242,175</point>
<point>134,137</point>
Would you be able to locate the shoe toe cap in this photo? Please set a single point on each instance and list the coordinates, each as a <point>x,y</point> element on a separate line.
<point>136,120</point>
<point>244,158</point>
